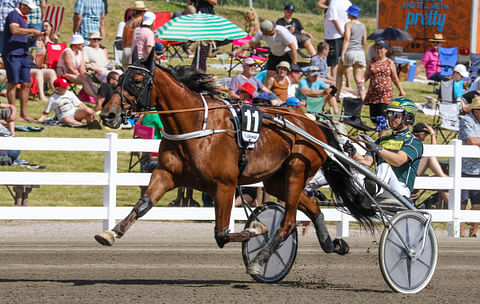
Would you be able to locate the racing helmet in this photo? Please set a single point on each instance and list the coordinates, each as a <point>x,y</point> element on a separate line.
<point>405,105</point>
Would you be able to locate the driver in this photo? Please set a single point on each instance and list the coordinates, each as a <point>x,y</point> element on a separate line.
<point>397,155</point>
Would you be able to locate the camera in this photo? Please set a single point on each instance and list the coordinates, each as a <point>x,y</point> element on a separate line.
<point>334,90</point>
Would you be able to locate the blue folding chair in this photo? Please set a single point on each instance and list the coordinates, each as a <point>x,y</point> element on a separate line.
<point>474,65</point>
<point>448,60</point>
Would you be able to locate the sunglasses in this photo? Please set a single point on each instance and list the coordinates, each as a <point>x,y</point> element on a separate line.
<point>395,115</point>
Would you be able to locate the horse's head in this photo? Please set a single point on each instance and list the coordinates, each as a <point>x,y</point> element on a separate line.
<point>133,93</point>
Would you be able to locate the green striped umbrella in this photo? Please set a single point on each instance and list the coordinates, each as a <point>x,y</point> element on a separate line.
<point>199,27</point>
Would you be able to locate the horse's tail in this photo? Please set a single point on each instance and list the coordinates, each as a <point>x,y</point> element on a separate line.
<point>348,193</point>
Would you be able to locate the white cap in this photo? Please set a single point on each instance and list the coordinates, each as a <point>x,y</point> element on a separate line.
<point>148,18</point>
<point>30,3</point>
<point>462,70</point>
<point>77,39</point>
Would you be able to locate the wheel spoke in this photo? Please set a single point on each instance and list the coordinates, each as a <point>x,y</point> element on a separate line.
<point>398,245</point>
<point>409,271</point>
<point>396,264</point>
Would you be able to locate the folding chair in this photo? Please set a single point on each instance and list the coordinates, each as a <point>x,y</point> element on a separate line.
<point>145,132</point>
<point>54,51</point>
<point>171,48</point>
<point>117,52</point>
<point>448,60</point>
<point>448,127</point>
<point>255,55</point>
<point>54,14</point>
<point>352,107</point>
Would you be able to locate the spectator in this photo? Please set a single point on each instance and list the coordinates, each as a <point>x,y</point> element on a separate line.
<point>190,9</point>
<point>89,16</point>
<point>96,58</point>
<point>311,86</point>
<point>139,10</point>
<point>15,54</point>
<point>459,73</point>
<point>246,92</point>
<point>280,82</point>
<point>204,7</point>
<point>34,19</point>
<point>397,155</point>
<point>121,25</point>
<point>42,75</point>
<point>352,54</point>
<point>48,36</point>
<point>334,26</point>
<point>470,135</point>
<point>105,91</point>
<point>304,39</point>
<point>72,64</point>
<point>68,108</point>
<point>320,61</point>
<point>246,76</point>
<point>283,47</point>
<point>382,73</point>
<point>143,37</point>
<point>252,24</point>
<point>8,113</point>
<point>294,79</point>
<point>422,130</point>
<point>6,6</point>
<point>431,60</point>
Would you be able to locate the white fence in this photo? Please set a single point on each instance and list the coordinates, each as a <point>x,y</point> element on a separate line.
<point>110,179</point>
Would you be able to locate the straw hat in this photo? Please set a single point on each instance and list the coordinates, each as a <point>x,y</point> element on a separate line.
<point>139,6</point>
<point>437,38</point>
<point>94,35</point>
<point>283,64</point>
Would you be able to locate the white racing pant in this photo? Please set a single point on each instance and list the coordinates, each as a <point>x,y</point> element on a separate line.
<point>385,173</point>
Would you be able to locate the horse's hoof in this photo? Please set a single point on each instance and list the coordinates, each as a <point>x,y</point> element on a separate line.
<point>257,228</point>
<point>341,247</point>
<point>106,238</point>
<point>255,268</point>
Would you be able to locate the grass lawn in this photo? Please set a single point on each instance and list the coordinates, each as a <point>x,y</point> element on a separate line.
<point>93,161</point>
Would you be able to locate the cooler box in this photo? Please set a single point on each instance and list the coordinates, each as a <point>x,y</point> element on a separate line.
<point>412,67</point>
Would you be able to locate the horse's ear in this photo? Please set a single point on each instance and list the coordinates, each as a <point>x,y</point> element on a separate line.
<point>150,63</point>
<point>134,55</point>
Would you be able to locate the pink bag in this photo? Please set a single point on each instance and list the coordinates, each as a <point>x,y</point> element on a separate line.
<point>83,96</point>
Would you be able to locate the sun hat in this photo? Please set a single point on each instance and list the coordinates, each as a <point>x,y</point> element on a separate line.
<point>30,3</point>
<point>312,70</point>
<point>292,101</point>
<point>382,43</point>
<point>283,64</point>
<point>289,7</point>
<point>437,38</point>
<point>77,39</point>
<point>61,82</point>
<point>419,128</point>
<point>354,11</point>
<point>94,35</point>
<point>266,26</point>
<point>139,6</point>
<point>247,87</point>
<point>462,70</point>
<point>148,18</point>
<point>248,61</point>
<point>475,103</point>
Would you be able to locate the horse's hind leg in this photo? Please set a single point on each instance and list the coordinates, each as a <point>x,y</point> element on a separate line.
<point>310,208</point>
<point>160,182</point>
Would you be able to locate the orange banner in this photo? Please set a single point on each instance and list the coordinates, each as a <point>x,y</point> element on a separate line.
<point>423,18</point>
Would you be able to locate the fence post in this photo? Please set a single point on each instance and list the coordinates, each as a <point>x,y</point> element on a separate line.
<point>110,190</point>
<point>454,195</point>
<point>343,225</point>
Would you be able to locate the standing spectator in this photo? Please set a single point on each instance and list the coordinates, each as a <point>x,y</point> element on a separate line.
<point>431,60</point>
<point>190,9</point>
<point>121,25</point>
<point>311,86</point>
<point>382,73</point>
<point>282,43</point>
<point>204,7</point>
<point>139,10</point>
<point>143,37</point>
<point>304,39</point>
<point>72,64</point>
<point>66,105</point>
<point>334,26</point>
<point>252,24</point>
<point>34,19</point>
<point>89,16</point>
<point>280,81</point>
<point>6,6</point>
<point>246,76</point>
<point>15,54</point>
<point>470,135</point>
<point>105,91</point>
<point>8,113</point>
<point>353,54</point>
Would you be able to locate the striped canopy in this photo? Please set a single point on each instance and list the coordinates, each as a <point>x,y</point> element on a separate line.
<point>199,27</point>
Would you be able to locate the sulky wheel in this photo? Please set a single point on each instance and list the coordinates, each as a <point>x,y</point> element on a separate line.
<point>281,261</point>
<point>403,272</point>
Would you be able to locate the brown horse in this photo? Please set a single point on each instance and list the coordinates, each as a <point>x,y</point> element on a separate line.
<point>209,162</point>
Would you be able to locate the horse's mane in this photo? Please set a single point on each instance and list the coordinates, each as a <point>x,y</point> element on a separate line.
<point>193,79</point>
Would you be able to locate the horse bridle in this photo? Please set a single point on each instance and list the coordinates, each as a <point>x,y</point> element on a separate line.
<point>142,95</point>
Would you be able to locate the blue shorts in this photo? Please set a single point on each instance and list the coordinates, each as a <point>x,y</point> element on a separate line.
<point>473,195</point>
<point>18,68</point>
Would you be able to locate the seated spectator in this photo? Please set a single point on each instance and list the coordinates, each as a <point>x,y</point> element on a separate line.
<point>459,73</point>
<point>48,36</point>
<point>280,82</point>
<point>267,98</point>
<point>320,61</point>
<point>105,91</point>
<point>431,60</point>
<point>42,74</point>
<point>422,130</point>
<point>96,58</point>
<point>246,92</point>
<point>8,113</point>
<point>66,105</point>
<point>246,76</point>
<point>252,23</point>
<point>304,39</point>
<point>72,64</point>
<point>311,86</point>
<point>294,79</point>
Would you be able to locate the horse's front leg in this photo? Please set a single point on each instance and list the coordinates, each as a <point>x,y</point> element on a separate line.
<point>161,181</point>
<point>223,199</point>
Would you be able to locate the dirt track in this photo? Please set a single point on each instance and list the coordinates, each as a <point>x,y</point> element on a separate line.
<point>159,262</point>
